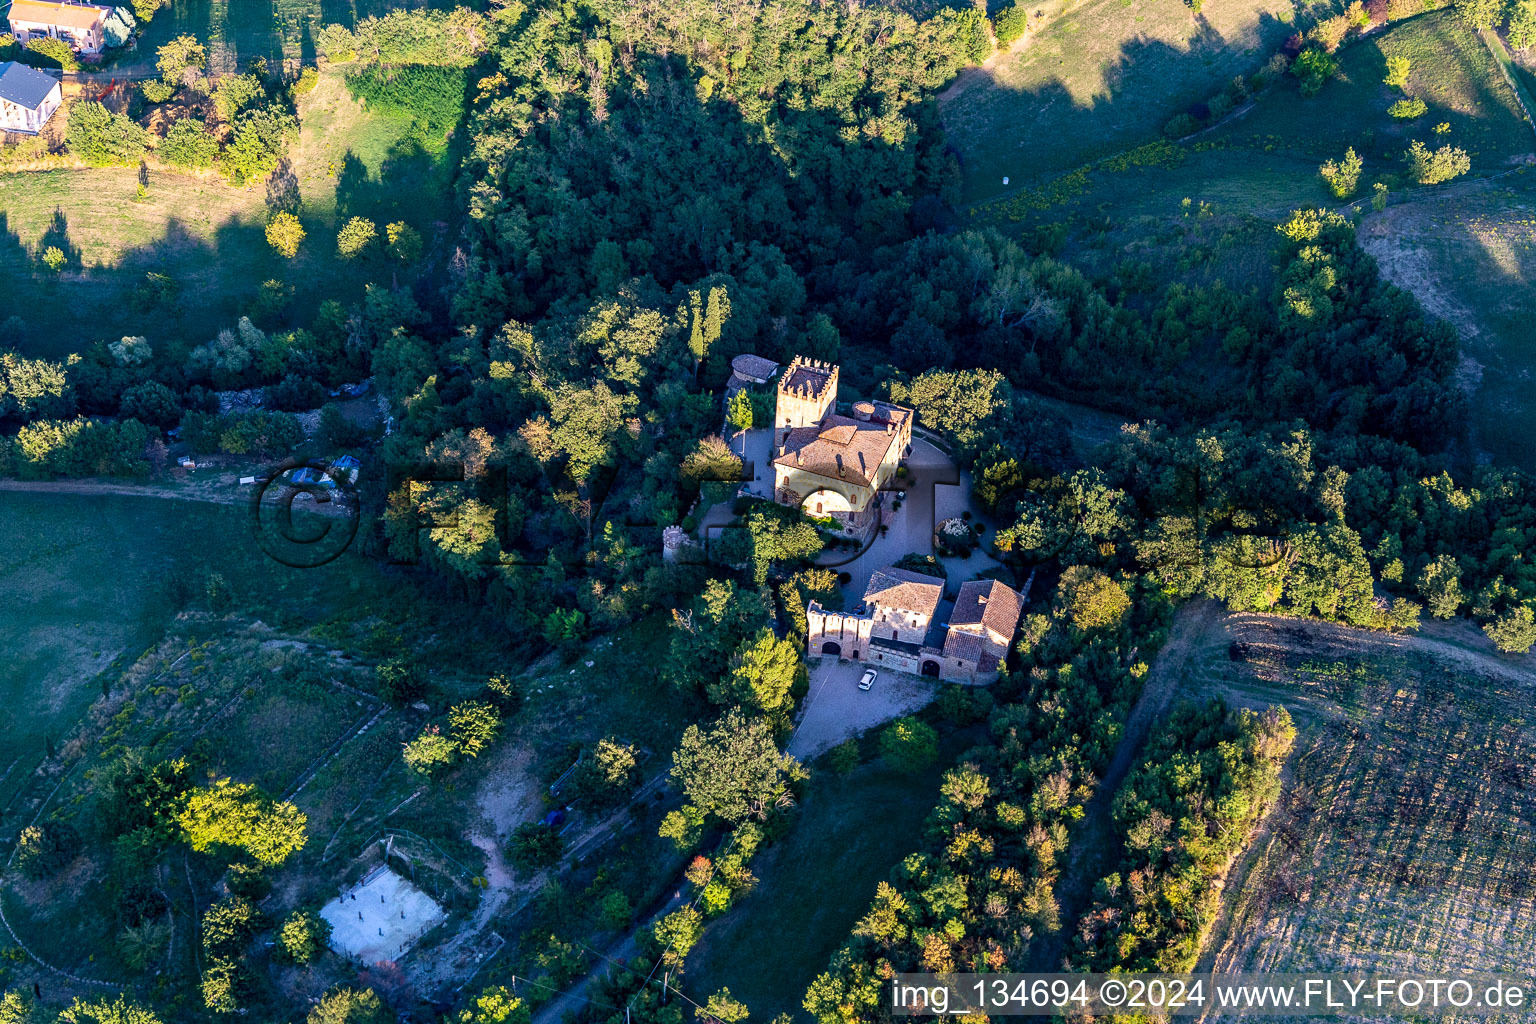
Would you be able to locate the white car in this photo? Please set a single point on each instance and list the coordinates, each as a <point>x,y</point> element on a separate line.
<point>868,679</point>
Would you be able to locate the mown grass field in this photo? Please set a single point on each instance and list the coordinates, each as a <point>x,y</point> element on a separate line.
<point>847,836</point>
<point>1471,259</point>
<point>1201,209</point>
<point>208,236</point>
<point>1097,77</point>
<point>1403,839</point>
<point>90,583</point>
<point>238,30</point>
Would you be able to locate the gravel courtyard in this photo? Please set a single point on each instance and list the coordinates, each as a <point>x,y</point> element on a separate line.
<point>835,707</point>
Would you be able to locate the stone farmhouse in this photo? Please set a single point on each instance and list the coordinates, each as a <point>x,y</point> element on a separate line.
<point>905,624</point>
<point>28,98</point>
<point>82,26</point>
<point>834,466</point>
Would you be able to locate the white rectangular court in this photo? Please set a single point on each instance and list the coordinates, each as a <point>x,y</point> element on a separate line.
<point>380,918</point>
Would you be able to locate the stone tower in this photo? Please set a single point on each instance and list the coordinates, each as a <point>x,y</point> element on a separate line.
<point>807,392</point>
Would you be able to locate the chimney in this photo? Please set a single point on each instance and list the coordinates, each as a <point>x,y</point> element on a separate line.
<point>840,471</point>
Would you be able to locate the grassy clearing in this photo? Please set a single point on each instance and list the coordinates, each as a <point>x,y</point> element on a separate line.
<point>1403,839</point>
<point>1097,77</point>
<point>65,621</point>
<point>847,836</point>
<point>236,700</point>
<point>238,30</point>
<point>1199,210</point>
<point>208,236</point>
<point>1471,259</point>
<point>1452,71</point>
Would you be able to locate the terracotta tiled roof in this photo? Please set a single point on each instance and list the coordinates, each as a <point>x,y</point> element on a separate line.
<point>908,591</point>
<point>964,646</point>
<point>989,604</point>
<point>839,449</point>
<point>72,16</point>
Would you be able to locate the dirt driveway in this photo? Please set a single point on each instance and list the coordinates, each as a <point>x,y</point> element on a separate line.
<point>835,707</point>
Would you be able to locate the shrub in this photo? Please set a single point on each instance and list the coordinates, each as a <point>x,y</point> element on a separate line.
<point>404,241</point>
<point>134,351</point>
<point>473,725</point>
<point>295,394</point>
<point>1313,68</point>
<point>272,300</point>
<point>153,403</point>
<point>54,258</point>
<point>1011,23</point>
<point>909,745</point>
<point>1397,72</point>
<point>188,144</point>
<point>1522,25</point>
<point>534,846</point>
<point>306,82</point>
<point>1330,32</point>
<point>429,752</point>
<point>1481,14</point>
<point>1431,167</point>
<point>1513,632</point>
<point>260,139</point>
<point>1408,109</point>
<point>176,56</point>
<point>355,237</point>
<point>41,850</point>
<point>51,53</point>
<point>236,92</point>
<point>844,757</point>
<point>1342,177</point>
<point>284,233</point>
<point>303,935</point>
<point>399,681</point>
<point>102,138</point>
<point>337,431</point>
<point>1180,125</point>
<point>157,91</point>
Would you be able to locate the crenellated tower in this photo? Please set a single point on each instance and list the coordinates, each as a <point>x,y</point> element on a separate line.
<point>807,391</point>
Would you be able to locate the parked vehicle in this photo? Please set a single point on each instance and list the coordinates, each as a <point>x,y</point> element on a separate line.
<point>869,679</point>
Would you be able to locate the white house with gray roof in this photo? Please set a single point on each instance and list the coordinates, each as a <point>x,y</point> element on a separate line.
<point>28,98</point>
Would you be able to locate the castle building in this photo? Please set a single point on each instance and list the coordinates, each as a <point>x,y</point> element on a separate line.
<point>834,466</point>
<point>902,625</point>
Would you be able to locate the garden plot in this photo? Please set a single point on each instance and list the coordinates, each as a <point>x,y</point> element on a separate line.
<point>1403,840</point>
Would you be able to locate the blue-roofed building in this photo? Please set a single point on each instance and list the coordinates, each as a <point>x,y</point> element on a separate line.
<point>28,98</point>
